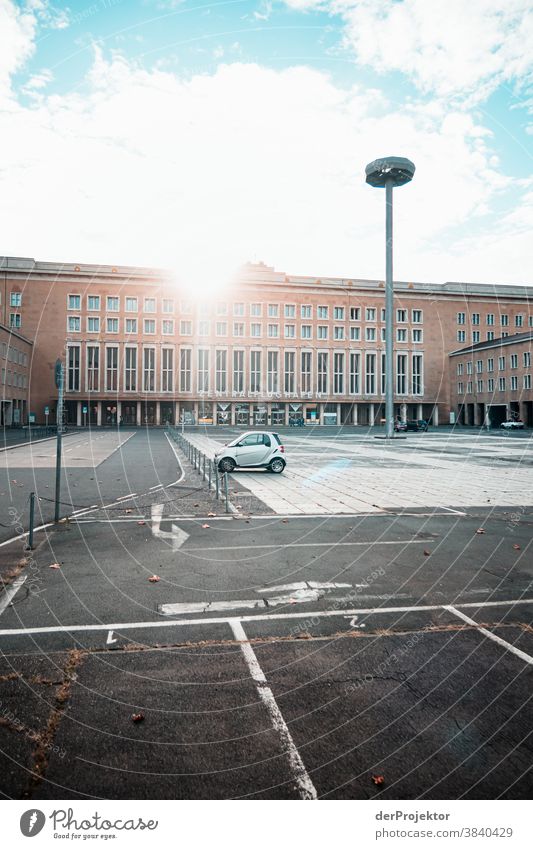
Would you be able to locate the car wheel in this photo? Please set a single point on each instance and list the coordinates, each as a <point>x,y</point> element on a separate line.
<point>227,464</point>
<point>277,465</point>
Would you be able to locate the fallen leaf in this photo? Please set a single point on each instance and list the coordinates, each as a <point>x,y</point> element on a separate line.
<point>137,717</point>
<point>141,522</point>
<point>154,579</point>
<point>426,552</point>
<point>54,566</point>
<point>196,505</point>
<point>13,481</point>
<point>211,514</point>
<point>128,510</point>
<point>285,521</point>
<point>378,779</point>
<point>206,525</point>
<point>516,546</point>
<point>480,531</point>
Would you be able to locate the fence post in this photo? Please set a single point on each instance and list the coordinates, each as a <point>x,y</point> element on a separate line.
<point>226,491</point>
<point>210,473</point>
<point>203,473</point>
<point>32,516</point>
<point>217,487</point>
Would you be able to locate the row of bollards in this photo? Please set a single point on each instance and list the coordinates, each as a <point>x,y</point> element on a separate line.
<point>204,466</point>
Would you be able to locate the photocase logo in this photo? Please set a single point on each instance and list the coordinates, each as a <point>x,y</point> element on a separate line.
<point>31,822</point>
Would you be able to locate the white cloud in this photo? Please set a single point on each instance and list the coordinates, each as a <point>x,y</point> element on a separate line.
<point>18,29</point>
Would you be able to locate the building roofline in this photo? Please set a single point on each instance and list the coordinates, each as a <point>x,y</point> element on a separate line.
<point>514,339</point>
<point>13,332</point>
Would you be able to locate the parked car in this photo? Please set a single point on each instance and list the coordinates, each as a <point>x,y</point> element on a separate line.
<point>513,424</point>
<point>415,424</point>
<point>400,427</point>
<point>254,449</point>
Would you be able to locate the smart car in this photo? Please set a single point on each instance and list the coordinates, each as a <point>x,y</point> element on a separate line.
<point>254,449</point>
<point>513,424</point>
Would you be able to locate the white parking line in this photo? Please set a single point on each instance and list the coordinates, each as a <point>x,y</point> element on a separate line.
<point>306,788</point>
<point>309,545</point>
<point>518,652</point>
<point>10,592</point>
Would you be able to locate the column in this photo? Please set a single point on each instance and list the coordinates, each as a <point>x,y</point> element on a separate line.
<point>139,414</point>
<point>403,412</point>
<point>436,415</point>
<point>232,414</point>
<point>99,413</point>
<point>419,411</point>
<point>214,414</point>
<point>78,413</point>
<point>338,414</point>
<point>158,412</point>
<point>176,412</point>
<point>119,411</point>
<point>371,414</point>
<point>196,412</point>
<point>320,413</point>
<point>269,413</point>
<point>286,415</point>
<point>355,414</point>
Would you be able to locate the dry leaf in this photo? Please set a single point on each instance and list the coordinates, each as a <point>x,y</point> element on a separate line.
<point>154,579</point>
<point>141,522</point>
<point>516,546</point>
<point>378,779</point>
<point>128,510</point>
<point>426,552</point>
<point>137,717</point>
<point>480,531</point>
<point>54,566</point>
<point>206,525</point>
<point>211,514</point>
<point>285,521</point>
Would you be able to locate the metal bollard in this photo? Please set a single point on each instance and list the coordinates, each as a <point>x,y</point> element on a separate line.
<point>217,486</point>
<point>226,491</point>
<point>32,515</point>
<point>210,473</point>
<point>203,471</point>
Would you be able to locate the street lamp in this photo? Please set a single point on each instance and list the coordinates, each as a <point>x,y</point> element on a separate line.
<point>388,172</point>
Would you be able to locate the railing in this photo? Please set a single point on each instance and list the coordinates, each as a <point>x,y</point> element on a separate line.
<point>205,466</point>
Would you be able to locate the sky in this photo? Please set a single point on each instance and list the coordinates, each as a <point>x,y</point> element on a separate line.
<point>198,136</point>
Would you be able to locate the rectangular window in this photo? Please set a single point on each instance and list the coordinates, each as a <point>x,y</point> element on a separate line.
<point>530,320</point>
<point>306,371</point>
<point>168,305</point>
<point>306,331</point>
<point>149,305</point>
<point>322,312</point>
<point>131,325</point>
<point>130,369</point>
<point>490,318</point>
<point>417,377</point>
<point>273,310</point>
<point>255,329</point>
<point>111,369</point>
<point>149,370</point>
<point>461,318</point>
<point>490,335</point>
<point>273,331</point>
<point>475,337</point>
<point>167,369</point>
<point>93,368</point>
<point>504,320</point>
<point>416,316</point>
<point>370,374</point>
<point>469,367</point>
<point>322,372</point>
<point>238,328</point>
<point>370,314</point>
<point>459,369</point>
<point>221,371</point>
<point>185,370</point>
<point>355,373</point>
<point>401,316</point>
<point>475,318</point>
<point>204,308</point>
<point>93,302</point>
<point>401,374</point>
<point>203,328</point>
<point>338,374</point>
<point>490,384</point>
<point>222,328</point>
<point>469,387</point>
<point>112,325</point>
<point>73,323</point>
<point>501,384</point>
<point>93,324</point>
<point>527,381</point>
<point>322,331</point>
<point>490,364</point>
<point>479,385</point>
<point>338,333</point>
<point>203,370</point>
<point>501,363</point>
<point>186,328</point>
<point>290,311</point>
<point>222,308</point>
<point>255,371</point>
<point>238,309</point>
<point>238,371</point>
<point>519,321</point>
<point>355,334</point>
<point>112,303</point>
<point>272,371</point>
<point>370,334</point>
<point>306,311</point>
<point>401,334</point>
<point>527,359</point>
<point>514,360</point>
<point>355,313</point>
<point>417,335</point>
<point>15,299</point>
<point>338,313</point>
<point>514,383</point>
<point>290,331</point>
<point>460,335</point>
<point>132,304</point>
<point>74,302</point>
<point>73,368</point>
<point>479,366</point>
<point>186,307</point>
<point>383,372</point>
<point>256,310</point>
<point>289,384</point>
<point>168,327</point>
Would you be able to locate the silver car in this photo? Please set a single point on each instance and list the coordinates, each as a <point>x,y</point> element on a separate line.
<point>255,449</point>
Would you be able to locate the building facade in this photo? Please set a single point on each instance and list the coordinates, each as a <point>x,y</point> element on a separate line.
<point>491,381</point>
<point>15,360</point>
<point>267,348</point>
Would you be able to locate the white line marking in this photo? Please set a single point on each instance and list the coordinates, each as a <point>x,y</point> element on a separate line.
<point>131,495</point>
<point>177,535</point>
<point>310,545</point>
<point>302,585</point>
<point>110,639</point>
<point>518,652</point>
<point>10,592</point>
<point>220,620</point>
<point>306,788</point>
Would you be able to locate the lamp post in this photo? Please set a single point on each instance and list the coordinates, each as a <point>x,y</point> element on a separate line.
<point>388,172</point>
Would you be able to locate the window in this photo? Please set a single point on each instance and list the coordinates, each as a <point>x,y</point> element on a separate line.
<point>203,308</point>
<point>383,314</point>
<point>383,372</point>
<point>306,371</point>
<point>416,316</point>
<point>519,320</point>
<point>167,326</point>
<point>306,331</point>
<point>290,311</point>
<point>256,310</point>
<point>501,384</point>
<point>370,374</point>
<point>479,366</point>
<point>255,329</point>
<point>273,331</point>
<point>112,325</point>
<point>168,305</point>
<point>401,334</point>
<point>504,320</point>
<point>132,304</point>
<point>401,316</point>
<point>130,369</point>
<point>355,314</point>
<point>273,310</point>
<point>383,334</point>
<point>203,328</point>
<point>338,373</point>
<point>504,334</point>
<point>475,318</point>
<point>370,314</point>
<point>527,381</point>
<point>167,369</point>
<point>355,373</point>
<point>15,300</point>
<point>417,377</point>
<point>514,383</point>
<point>238,371</point>
<point>490,364</point>
<point>490,335</point>
<point>221,371</point>
<point>238,309</point>
<point>501,363</point>
<point>322,312</point>
<point>222,328</point>
<point>73,301</point>
<point>73,324</point>
<point>322,372</point>
<point>222,308</point>
<point>255,371</point>
<point>112,303</point>
<point>306,311</point>
<point>149,305</point>
<point>93,368</point>
<point>459,369</point>
<point>479,385</point>
<point>514,360</point>
<point>338,332</point>
<point>461,335</point>
<point>475,336</point>
<point>93,302</point>
<point>73,368</point>
<point>370,334</point>
<point>322,331</point>
<point>490,318</point>
<point>338,313</point>
<point>461,318</point>
<point>186,307</point>
<point>530,320</point>
<point>111,369</point>
<point>203,370</point>
<point>401,374</point>
<point>131,325</point>
<point>355,334</point>
<point>185,370</point>
<point>490,384</point>
<point>290,357</point>
<point>527,359</point>
<point>238,328</point>
<point>93,324</point>
<point>417,335</point>
<point>469,367</point>
<point>272,371</point>
<point>290,331</point>
<point>149,369</point>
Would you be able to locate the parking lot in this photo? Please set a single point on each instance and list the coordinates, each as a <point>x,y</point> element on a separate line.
<point>282,652</point>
